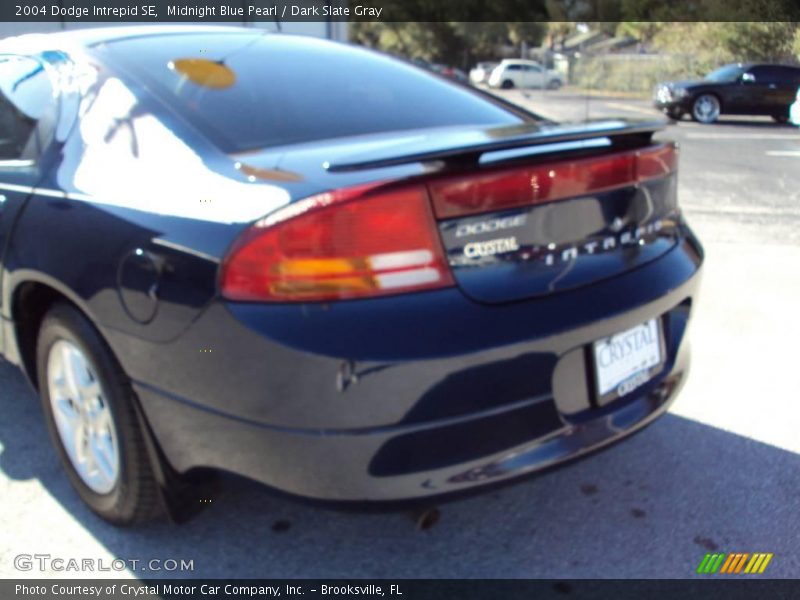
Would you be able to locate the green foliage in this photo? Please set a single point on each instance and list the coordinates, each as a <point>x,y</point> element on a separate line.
<point>455,43</point>
<point>796,44</point>
<point>767,41</point>
<point>708,44</point>
<point>558,31</point>
<point>634,74</point>
<point>719,42</point>
<point>686,51</point>
<point>701,41</point>
<point>644,31</point>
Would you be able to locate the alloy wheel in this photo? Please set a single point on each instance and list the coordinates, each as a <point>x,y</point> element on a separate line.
<point>83,418</point>
<point>706,108</point>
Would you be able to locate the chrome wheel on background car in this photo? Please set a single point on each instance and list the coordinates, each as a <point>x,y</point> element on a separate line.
<point>82,416</point>
<point>706,108</point>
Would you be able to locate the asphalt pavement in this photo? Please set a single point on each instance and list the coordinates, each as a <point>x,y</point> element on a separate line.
<point>720,472</point>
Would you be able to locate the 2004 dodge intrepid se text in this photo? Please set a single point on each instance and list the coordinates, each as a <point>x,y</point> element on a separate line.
<point>323,268</point>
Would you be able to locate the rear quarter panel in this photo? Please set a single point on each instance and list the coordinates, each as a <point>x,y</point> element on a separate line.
<point>135,204</point>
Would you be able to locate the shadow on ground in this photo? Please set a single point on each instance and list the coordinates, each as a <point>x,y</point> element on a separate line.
<point>765,123</point>
<point>649,507</point>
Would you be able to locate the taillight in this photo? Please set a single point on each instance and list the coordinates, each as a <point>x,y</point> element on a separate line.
<point>462,195</point>
<point>656,162</point>
<point>350,243</point>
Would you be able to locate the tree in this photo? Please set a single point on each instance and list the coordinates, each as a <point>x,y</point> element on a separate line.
<point>715,43</point>
<point>454,43</point>
<point>642,31</point>
<point>767,41</point>
<point>796,45</point>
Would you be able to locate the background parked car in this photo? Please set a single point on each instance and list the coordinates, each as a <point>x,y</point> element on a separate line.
<point>481,72</point>
<point>451,72</point>
<point>735,89</point>
<point>524,74</point>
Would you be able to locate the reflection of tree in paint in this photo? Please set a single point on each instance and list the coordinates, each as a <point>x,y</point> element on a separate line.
<point>33,73</point>
<point>32,98</point>
<point>21,106</point>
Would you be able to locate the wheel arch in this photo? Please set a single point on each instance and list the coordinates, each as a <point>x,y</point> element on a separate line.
<point>31,298</point>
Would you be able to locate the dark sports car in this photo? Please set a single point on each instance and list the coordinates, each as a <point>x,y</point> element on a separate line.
<point>736,89</point>
<point>323,269</point>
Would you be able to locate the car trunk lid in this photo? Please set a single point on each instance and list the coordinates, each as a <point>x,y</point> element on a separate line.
<point>519,211</point>
<point>513,233</point>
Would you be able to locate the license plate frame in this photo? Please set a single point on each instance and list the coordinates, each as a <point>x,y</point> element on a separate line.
<point>605,393</point>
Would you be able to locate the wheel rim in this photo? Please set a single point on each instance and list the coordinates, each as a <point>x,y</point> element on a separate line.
<point>706,109</point>
<point>82,416</point>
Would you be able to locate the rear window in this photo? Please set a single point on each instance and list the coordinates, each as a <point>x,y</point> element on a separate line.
<point>273,90</point>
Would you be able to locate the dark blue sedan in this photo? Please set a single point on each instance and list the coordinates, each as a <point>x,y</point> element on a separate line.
<point>322,268</point>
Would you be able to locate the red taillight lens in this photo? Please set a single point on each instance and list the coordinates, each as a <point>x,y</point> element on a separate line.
<point>462,195</point>
<point>346,244</point>
<point>655,162</point>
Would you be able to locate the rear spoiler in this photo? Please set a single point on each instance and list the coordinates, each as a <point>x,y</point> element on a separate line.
<point>467,144</point>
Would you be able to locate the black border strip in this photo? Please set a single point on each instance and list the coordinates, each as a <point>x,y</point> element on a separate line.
<point>712,586</point>
<point>72,11</point>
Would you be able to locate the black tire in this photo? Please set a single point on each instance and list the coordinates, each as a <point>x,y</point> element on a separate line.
<point>134,497</point>
<point>674,113</point>
<point>507,84</point>
<point>555,84</point>
<point>781,118</point>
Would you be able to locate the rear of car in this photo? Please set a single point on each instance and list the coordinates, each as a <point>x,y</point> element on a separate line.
<point>505,75</point>
<point>480,73</point>
<point>555,79</point>
<point>468,295</point>
<point>447,291</point>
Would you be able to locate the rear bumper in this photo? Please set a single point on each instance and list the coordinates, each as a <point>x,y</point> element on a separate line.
<point>346,467</point>
<point>378,426</point>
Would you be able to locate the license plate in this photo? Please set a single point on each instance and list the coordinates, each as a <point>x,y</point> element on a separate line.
<point>627,360</point>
